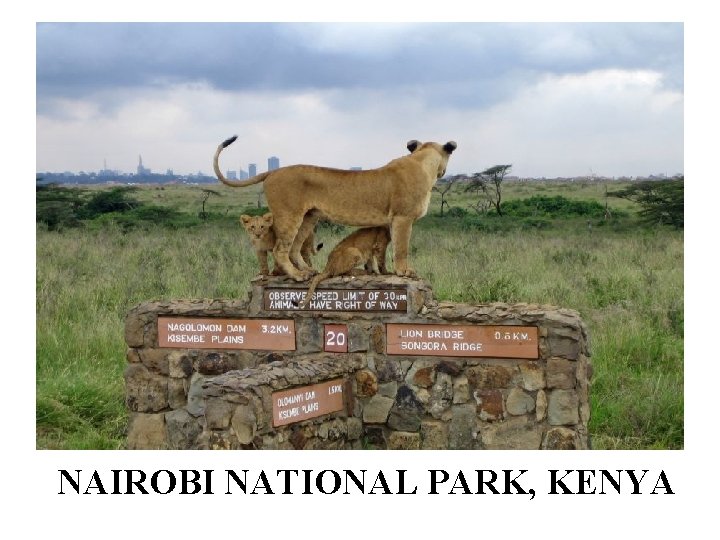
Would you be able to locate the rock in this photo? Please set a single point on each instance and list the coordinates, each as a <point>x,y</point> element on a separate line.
<point>217,413</point>
<point>441,395</point>
<point>147,432</point>
<point>490,404</point>
<point>461,390</point>
<point>406,411</point>
<point>182,429</point>
<point>244,423</point>
<point>155,360</point>
<point>145,391</point>
<point>358,339</point>
<point>560,438</point>
<point>560,373</point>
<point>400,440</point>
<point>423,377</point>
<point>452,368</point>
<point>563,347</point>
<point>533,376</point>
<point>462,429</point>
<point>563,408</point>
<point>388,369</point>
<point>134,330</point>
<point>367,383</point>
<point>377,409</point>
<point>490,376</point>
<point>179,365</point>
<point>518,402</point>
<point>388,389</point>
<point>196,400</point>
<point>177,393</point>
<point>214,364</point>
<point>540,405</point>
<point>517,433</point>
<point>434,435</point>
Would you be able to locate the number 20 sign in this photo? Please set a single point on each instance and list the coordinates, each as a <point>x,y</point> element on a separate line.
<point>336,338</point>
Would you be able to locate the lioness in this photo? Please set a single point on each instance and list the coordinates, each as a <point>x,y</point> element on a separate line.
<point>365,246</point>
<point>394,195</point>
<point>262,237</point>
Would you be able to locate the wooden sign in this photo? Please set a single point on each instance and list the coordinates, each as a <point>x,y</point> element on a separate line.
<point>462,340</point>
<point>209,333</point>
<point>336,338</point>
<point>385,300</point>
<point>297,404</point>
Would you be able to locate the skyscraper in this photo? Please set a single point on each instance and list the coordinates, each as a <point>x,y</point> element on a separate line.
<point>273,163</point>
<point>252,169</point>
<point>141,171</point>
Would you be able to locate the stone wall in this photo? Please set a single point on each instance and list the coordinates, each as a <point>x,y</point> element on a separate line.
<point>223,398</point>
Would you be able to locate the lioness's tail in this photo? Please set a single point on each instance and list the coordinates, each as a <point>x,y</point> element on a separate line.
<point>234,183</point>
<point>313,285</point>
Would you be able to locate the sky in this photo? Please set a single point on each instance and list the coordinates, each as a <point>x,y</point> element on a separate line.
<point>551,99</point>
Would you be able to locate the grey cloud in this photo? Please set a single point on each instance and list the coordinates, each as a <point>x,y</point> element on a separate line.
<point>464,63</point>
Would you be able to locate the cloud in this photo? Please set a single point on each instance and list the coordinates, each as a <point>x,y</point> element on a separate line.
<point>553,99</point>
<point>87,57</point>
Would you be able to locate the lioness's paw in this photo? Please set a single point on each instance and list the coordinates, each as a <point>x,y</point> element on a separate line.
<point>407,272</point>
<point>302,276</point>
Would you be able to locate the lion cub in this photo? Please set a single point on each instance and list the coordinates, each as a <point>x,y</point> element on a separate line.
<point>365,246</point>
<point>262,237</point>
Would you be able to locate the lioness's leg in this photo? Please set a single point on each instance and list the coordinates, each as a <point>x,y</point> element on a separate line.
<point>286,227</point>
<point>304,232</point>
<point>400,232</point>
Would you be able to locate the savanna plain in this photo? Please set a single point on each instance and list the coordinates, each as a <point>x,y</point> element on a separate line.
<point>571,246</point>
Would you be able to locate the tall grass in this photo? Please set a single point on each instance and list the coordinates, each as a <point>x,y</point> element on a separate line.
<point>628,287</point>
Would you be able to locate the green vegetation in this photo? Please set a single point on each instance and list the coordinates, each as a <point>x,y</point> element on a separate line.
<point>623,276</point>
<point>662,202</point>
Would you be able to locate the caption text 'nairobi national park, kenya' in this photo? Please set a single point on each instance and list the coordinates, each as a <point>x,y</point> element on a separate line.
<point>389,308</point>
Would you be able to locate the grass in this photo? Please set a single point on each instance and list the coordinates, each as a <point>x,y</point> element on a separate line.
<point>626,282</point>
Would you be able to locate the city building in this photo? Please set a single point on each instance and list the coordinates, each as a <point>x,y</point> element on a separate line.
<point>273,163</point>
<point>252,169</point>
<point>142,171</point>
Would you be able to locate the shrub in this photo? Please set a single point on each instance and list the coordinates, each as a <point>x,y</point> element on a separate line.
<point>456,212</point>
<point>557,206</point>
<point>57,207</point>
<point>108,201</point>
<point>661,201</point>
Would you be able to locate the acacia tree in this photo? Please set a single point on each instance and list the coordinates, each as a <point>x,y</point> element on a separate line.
<point>488,184</point>
<point>206,196</point>
<point>661,201</point>
<point>447,184</point>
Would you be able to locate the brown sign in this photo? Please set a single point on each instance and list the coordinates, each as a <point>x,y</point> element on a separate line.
<point>462,340</point>
<point>297,404</point>
<point>389,300</point>
<point>336,338</point>
<point>208,333</point>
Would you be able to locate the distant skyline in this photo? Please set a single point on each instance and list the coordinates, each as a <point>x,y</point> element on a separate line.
<point>552,99</point>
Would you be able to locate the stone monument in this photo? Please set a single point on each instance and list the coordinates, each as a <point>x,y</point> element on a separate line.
<point>371,362</point>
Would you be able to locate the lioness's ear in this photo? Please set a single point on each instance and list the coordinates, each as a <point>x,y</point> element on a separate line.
<point>412,145</point>
<point>450,147</point>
